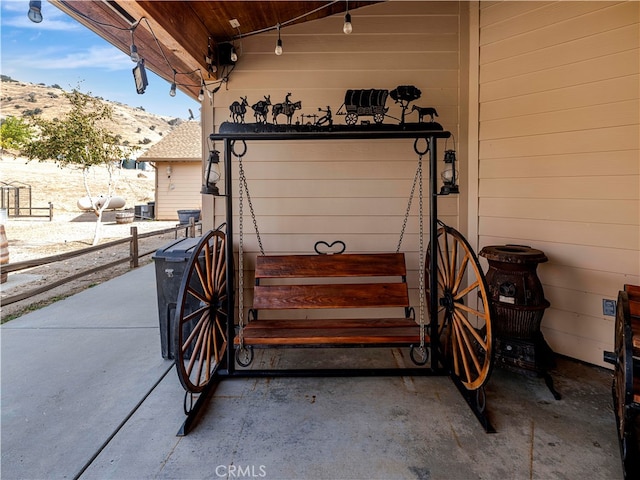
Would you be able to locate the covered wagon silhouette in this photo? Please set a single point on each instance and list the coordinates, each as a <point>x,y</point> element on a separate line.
<point>367,102</point>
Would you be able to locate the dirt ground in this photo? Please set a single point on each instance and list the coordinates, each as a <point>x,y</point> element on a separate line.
<point>71,229</point>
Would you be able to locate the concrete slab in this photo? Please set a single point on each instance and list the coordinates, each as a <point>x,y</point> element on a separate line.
<point>74,372</point>
<point>352,428</point>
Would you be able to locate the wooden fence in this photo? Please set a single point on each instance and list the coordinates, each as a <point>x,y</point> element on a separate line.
<point>133,258</point>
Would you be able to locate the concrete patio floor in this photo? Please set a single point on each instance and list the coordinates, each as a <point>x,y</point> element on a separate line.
<point>85,393</point>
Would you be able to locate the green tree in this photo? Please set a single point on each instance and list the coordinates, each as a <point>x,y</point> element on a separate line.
<point>14,132</point>
<point>80,140</point>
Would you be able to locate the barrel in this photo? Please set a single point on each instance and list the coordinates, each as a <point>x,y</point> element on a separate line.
<point>516,293</point>
<point>4,253</point>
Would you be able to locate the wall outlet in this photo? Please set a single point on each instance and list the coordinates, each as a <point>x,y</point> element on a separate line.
<point>608,307</point>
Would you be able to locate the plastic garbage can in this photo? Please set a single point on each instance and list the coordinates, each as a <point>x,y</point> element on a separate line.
<point>171,263</point>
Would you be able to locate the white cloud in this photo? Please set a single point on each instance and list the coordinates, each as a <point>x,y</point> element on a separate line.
<point>97,57</point>
<point>14,14</point>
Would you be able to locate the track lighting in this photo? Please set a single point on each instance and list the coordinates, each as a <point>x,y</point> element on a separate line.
<point>279,43</point>
<point>35,11</point>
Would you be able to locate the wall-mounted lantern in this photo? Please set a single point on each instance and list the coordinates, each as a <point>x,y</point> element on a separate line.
<point>212,174</point>
<point>449,175</point>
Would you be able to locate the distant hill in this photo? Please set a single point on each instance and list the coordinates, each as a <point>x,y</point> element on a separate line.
<point>135,125</point>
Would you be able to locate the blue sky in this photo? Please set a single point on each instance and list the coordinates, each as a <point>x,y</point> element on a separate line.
<point>59,50</point>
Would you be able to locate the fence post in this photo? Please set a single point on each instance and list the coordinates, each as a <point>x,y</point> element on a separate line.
<point>133,248</point>
<point>50,211</point>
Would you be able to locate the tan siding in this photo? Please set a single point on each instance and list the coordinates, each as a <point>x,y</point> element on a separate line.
<point>181,191</point>
<point>357,192</point>
<point>559,154</point>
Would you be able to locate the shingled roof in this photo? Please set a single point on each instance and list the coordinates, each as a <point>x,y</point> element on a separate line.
<point>184,143</point>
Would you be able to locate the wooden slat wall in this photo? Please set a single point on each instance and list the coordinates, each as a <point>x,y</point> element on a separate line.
<point>348,190</point>
<point>559,155</point>
<point>180,192</point>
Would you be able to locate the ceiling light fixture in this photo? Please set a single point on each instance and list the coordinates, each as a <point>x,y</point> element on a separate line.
<point>172,92</point>
<point>347,28</point>
<point>133,49</point>
<point>35,11</point>
<point>279,43</point>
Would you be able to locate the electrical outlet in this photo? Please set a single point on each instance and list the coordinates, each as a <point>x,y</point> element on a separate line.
<point>234,23</point>
<point>608,307</point>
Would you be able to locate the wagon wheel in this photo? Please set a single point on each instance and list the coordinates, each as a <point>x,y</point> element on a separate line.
<point>351,118</point>
<point>378,118</point>
<point>464,310</point>
<point>622,388</point>
<point>200,338</point>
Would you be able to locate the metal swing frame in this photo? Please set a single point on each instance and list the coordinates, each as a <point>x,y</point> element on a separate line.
<point>476,400</point>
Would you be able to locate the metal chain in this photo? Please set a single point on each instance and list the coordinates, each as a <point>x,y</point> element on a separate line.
<point>241,258</point>
<point>417,179</point>
<point>421,261</point>
<point>406,215</point>
<point>243,182</point>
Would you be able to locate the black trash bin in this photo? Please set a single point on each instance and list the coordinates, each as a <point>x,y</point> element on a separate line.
<point>171,264</point>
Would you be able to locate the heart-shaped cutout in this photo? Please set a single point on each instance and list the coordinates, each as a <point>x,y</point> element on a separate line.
<point>323,248</point>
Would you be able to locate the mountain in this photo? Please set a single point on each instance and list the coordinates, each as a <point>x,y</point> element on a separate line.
<point>135,125</point>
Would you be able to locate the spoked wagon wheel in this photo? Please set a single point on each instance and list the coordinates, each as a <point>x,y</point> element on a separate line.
<point>351,118</point>
<point>623,388</point>
<point>464,309</point>
<point>200,335</point>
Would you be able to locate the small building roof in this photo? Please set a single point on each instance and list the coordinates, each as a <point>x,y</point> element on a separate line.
<point>184,143</point>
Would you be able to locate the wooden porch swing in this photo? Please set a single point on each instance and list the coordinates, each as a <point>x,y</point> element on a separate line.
<point>456,340</point>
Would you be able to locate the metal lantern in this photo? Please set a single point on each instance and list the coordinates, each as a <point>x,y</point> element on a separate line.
<point>212,175</point>
<point>449,175</point>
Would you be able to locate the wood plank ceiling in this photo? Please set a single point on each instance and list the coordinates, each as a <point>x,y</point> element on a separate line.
<point>180,35</point>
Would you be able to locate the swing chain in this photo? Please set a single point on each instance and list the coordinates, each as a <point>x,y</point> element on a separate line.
<point>406,215</point>
<point>240,258</point>
<point>242,188</point>
<point>418,179</point>
<point>421,262</point>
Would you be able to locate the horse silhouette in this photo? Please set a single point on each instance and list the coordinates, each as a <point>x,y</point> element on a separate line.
<point>423,111</point>
<point>287,108</point>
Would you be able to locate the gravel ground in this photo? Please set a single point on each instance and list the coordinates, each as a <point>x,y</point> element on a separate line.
<point>31,238</point>
<point>71,229</point>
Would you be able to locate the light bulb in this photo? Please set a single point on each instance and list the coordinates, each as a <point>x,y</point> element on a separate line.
<point>35,11</point>
<point>279,47</point>
<point>134,53</point>
<point>172,92</point>
<point>347,28</point>
<point>201,94</point>
<point>234,56</point>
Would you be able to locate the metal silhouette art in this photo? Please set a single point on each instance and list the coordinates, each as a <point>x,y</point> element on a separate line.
<point>261,109</point>
<point>358,105</point>
<point>369,102</point>
<point>404,95</point>
<point>326,119</point>
<point>424,111</point>
<point>287,108</point>
<point>238,110</point>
